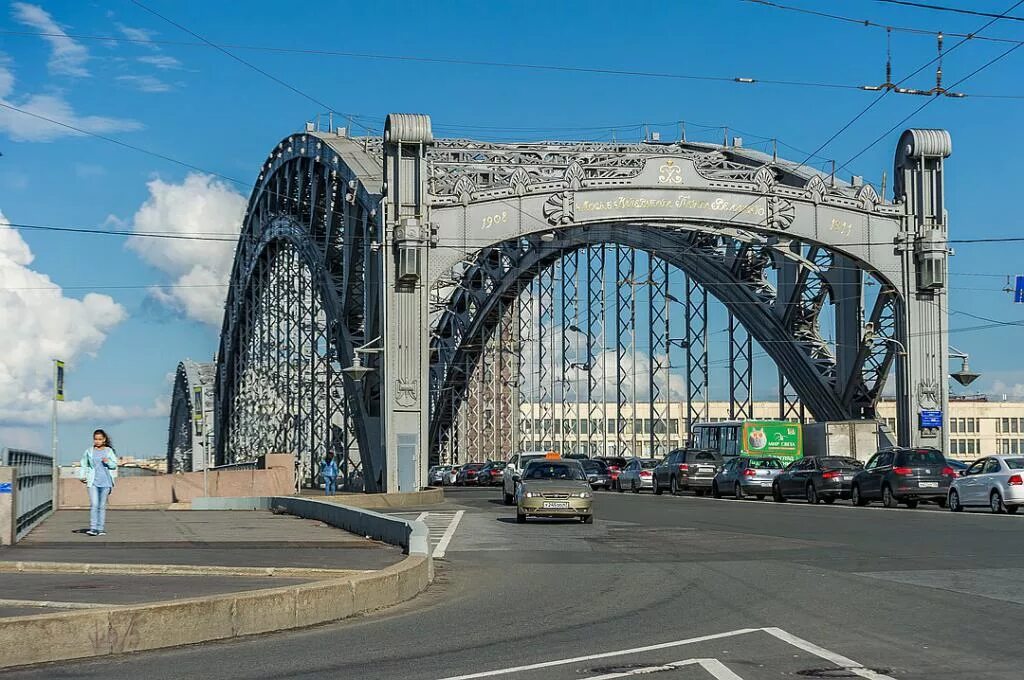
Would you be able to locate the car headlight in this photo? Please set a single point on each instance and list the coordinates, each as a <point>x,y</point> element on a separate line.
<point>533,494</point>
<point>585,494</point>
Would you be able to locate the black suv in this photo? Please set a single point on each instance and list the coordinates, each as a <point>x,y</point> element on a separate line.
<point>687,469</point>
<point>900,475</point>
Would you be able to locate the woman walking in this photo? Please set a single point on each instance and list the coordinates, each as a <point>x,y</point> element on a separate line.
<point>329,471</point>
<point>98,471</point>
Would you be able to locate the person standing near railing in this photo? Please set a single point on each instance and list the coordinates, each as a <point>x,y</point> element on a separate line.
<point>98,471</point>
<point>329,471</point>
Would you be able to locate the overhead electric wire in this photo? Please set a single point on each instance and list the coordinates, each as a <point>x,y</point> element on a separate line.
<point>946,8</point>
<point>114,140</point>
<point>929,101</point>
<point>868,23</point>
<point>867,108</point>
<point>240,60</point>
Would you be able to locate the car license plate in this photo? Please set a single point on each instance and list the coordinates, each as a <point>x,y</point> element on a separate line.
<point>556,505</point>
<point>928,485</point>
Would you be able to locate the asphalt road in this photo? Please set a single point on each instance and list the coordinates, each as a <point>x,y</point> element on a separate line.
<point>687,587</point>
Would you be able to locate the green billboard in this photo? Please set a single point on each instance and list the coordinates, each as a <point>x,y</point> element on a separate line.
<point>777,438</point>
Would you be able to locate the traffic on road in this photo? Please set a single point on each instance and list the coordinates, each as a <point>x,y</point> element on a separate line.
<point>759,460</point>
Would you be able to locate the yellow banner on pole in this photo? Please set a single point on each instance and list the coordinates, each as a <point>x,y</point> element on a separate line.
<point>58,381</point>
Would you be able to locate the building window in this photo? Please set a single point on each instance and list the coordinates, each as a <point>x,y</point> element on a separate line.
<point>1014,446</point>
<point>952,425</point>
<point>970,446</point>
<point>1013,425</point>
<point>1006,425</point>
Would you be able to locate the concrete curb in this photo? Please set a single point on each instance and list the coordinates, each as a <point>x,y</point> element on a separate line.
<point>381,501</point>
<point>98,632</point>
<point>23,567</point>
<point>410,535</point>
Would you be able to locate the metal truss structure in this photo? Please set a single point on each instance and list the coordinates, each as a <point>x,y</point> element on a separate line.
<point>190,435</point>
<point>406,299</point>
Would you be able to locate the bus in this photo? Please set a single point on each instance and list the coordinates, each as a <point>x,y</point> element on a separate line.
<point>776,438</point>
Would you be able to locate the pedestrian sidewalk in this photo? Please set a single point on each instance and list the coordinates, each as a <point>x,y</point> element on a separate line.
<point>155,555</point>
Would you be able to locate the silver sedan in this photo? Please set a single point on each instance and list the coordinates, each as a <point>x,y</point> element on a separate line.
<point>996,482</point>
<point>637,475</point>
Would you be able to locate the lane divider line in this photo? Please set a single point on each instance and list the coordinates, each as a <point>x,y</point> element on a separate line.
<point>838,659</point>
<point>603,655</point>
<point>446,538</point>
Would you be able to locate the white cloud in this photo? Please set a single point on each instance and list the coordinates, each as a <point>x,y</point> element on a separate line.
<point>199,269</point>
<point>67,57</point>
<point>145,83</point>
<point>1012,390</point>
<point>161,61</point>
<point>21,127</point>
<point>41,324</point>
<point>133,33</point>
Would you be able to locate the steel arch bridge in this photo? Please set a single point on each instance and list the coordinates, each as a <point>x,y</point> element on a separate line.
<point>381,287</point>
<point>190,433</point>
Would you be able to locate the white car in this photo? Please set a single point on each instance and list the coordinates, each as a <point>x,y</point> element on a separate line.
<point>994,481</point>
<point>516,464</point>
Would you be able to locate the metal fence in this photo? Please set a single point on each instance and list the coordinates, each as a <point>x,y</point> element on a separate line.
<point>34,491</point>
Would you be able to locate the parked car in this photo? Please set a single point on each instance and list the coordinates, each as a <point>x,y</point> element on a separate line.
<point>746,475</point>
<point>959,466</point>
<point>515,467</point>
<point>554,488</point>
<point>437,475</point>
<point>615,465</point>
<point>995,481</point>
<point>816,478</point>
<point>903,475</point>
<point>453,474</point>
<point>697,470</point>
<point>491,474</point>
<point>597,474</point>
<point>637,475</point>
<point>468,474</point>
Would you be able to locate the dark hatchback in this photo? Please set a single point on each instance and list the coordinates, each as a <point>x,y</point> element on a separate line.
<point>817,479</point>
<point>597,474</point>
<point>903,475</point>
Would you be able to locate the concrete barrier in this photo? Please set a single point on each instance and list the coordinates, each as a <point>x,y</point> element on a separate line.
<point>410,535</point>
<point>381,501</point>
<point>98,632</point>
<point>274,475</point>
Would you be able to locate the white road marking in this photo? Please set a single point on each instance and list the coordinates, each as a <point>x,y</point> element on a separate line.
<point>713,666</point>
<point>446,538</point>
<point>716,668</point>
<point>602,655</point>
<point>837,659</point>
<point>422,516</point>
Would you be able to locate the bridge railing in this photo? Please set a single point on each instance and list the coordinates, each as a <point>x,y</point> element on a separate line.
<point>33,490</point>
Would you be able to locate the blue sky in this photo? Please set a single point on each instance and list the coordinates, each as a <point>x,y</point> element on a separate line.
<point>198,105</point>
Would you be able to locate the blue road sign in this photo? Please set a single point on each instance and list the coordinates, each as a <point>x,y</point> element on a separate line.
<point>931,418</point>
<point>5,487</point>
<point>1018,290</point>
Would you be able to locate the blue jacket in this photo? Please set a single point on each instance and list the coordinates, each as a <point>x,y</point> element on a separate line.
<point>329,469</point>
<point>87,473</point>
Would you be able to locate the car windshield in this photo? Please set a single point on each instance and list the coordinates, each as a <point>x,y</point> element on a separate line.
<point>475,466</point>
<point>920,457</point>
<point>617,462</point>
<point>764,463</point>
<point>555,471</point>
<point>648,463</point>
<point>1015,463</point>
<point>832,462</point>
<point>594,466</point>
